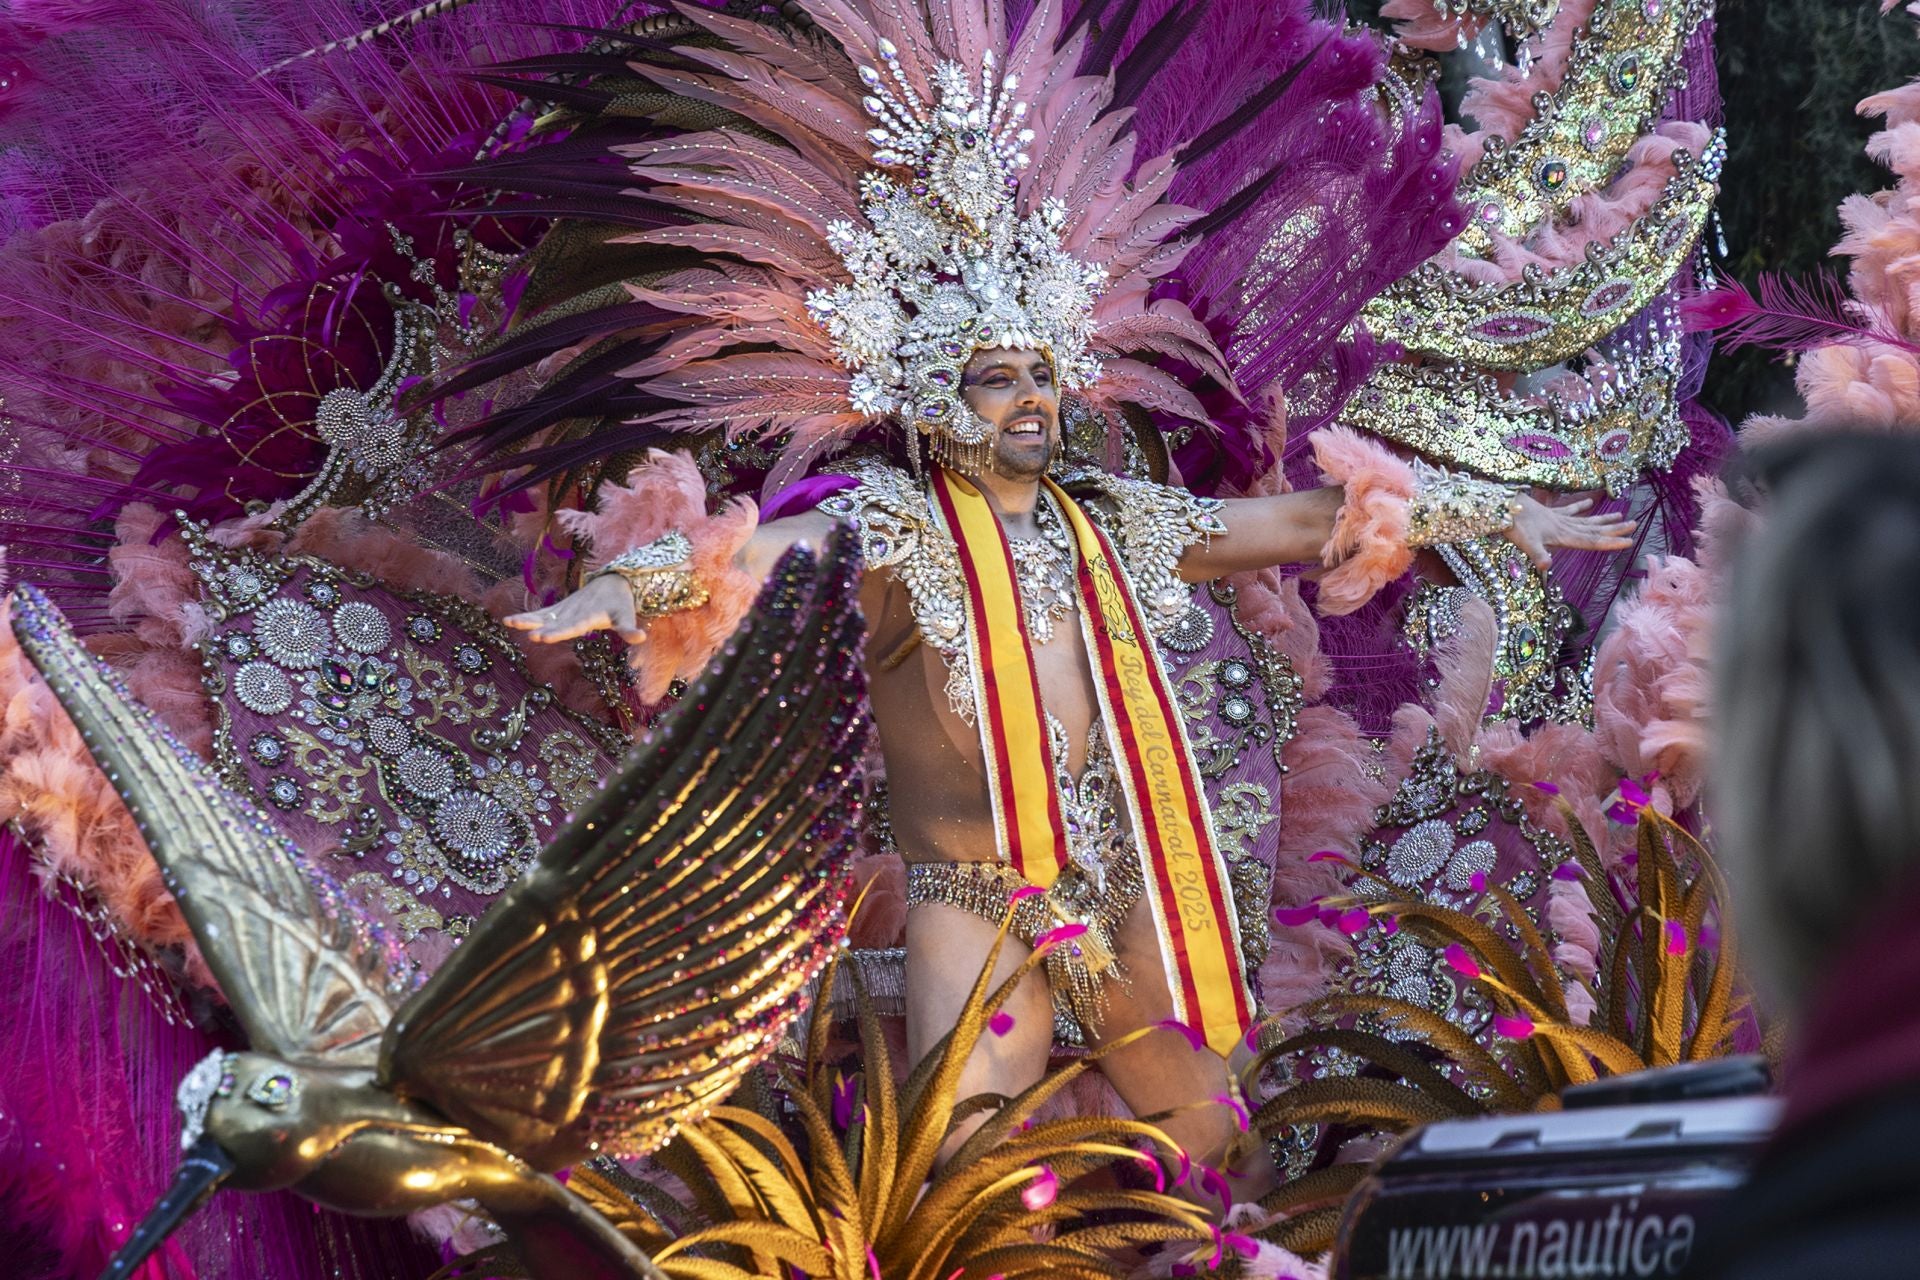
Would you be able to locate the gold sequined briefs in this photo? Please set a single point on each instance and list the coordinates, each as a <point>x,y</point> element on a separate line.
<point>1077,970</point>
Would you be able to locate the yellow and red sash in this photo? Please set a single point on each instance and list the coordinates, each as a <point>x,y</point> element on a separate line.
<point>1185,874</point>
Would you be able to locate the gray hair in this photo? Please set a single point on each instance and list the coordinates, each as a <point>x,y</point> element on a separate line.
<point>1817,675</point>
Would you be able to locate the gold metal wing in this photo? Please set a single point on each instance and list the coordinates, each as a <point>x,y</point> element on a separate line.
<point>306,973</point>
<point>658,947</point>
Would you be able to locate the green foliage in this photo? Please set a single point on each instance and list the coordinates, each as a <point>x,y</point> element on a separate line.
<point>1792,73</point>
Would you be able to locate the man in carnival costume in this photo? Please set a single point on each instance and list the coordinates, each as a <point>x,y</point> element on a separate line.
<point>1031,741</point>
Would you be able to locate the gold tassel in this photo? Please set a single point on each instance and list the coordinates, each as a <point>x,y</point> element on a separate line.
<point>1096,950</point>
<point>1083,967</point>
<point>967,459</point>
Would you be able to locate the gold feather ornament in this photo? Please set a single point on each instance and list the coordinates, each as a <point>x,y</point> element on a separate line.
<point>653,953</point>
<point>1660,999</point>
<point>859,1196</point>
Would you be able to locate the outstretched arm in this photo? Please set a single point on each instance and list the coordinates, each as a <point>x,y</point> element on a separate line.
<point>1295,528</point>
<point>606,603</point>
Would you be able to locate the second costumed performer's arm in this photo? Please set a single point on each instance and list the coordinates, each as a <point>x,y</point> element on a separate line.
<point>671,579</point>
<point>1376,511</point>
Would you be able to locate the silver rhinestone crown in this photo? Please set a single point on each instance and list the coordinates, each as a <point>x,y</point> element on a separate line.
<point>946,266</point>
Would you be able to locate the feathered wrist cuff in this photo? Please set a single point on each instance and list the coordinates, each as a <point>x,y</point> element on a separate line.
<point>681,563</point>
<point>1391,507</point>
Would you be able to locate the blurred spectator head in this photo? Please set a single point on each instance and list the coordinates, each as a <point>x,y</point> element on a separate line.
<point>1817,761</point>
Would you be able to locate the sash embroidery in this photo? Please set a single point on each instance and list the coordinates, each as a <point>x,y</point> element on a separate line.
<point>1185,873</point>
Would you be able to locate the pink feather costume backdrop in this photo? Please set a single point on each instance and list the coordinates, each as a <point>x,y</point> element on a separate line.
<point>196,255</point>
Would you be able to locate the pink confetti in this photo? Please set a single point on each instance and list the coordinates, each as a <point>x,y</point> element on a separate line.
<point>1569,871</point>
<point>1676,938</point>
<point>1328,855</point>
<point>1025,891</point>
<point>1547,787</point>
<point>1354,921</point>
<point>1246,1246</point>
<point>1513,1026</point>
<point>1216,1186</point>
<point>1000,1023</point>
<point>1195,1040</point>
<point>1462,961</point>
<point>1389,925</point>
<point>1042,1191</point>
<point>1633,798</point>
<point>1054,937</point>
<point>846,1093</point>
<point>1224,1241</point>
<point>1478,881</point>
<point>1292,916</point>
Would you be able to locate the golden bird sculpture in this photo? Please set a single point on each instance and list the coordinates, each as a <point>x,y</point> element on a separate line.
<point>655,951</point>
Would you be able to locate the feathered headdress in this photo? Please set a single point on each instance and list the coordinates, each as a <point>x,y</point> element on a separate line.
<point>945,265</point>
<point>817,220</point>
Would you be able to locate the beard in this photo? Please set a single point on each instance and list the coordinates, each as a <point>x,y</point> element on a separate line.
<point>1025,458</point>
<point>1022,464</point>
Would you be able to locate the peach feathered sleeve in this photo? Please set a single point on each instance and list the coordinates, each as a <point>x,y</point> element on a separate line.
<point>1392,506</point>
<point>664,493</point>
<point>1369,547</point>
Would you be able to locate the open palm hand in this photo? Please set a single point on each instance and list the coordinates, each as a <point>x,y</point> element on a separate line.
<point>604,603</point>
<point>1538,527</point>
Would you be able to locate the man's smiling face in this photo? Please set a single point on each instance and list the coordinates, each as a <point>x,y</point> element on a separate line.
<point>1015,393</point>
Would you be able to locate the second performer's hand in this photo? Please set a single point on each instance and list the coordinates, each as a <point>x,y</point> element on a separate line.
<point>1537,526</point>
<point>604,603</point>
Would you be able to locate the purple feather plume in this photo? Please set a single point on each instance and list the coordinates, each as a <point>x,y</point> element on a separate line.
<point>1318,199</point>
<point>193,253</point>
<point>89,1060</point>
<point>1791,315</point>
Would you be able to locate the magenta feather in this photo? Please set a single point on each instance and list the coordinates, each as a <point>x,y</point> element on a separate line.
<point>1791,315</point>
<point>222,245</point>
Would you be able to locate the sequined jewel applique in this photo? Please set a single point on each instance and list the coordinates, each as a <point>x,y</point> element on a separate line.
<point>888,509</point>
<point>1535,678</point>
<point>400,731</point>
<point>274,1090</point>
<point>1152,526</point>
<point>1447,837</point>
<point>1547,317</point>
<point>1043,568</point>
